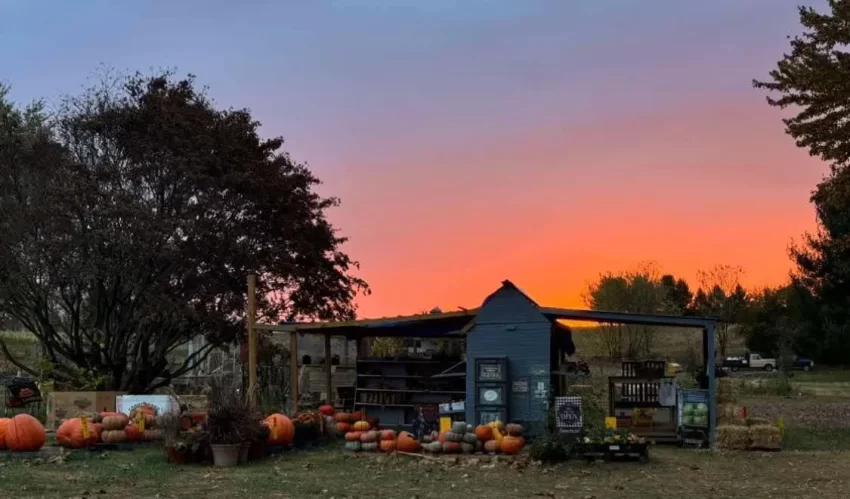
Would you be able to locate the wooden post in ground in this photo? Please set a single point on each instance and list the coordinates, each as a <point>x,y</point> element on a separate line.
<point>328,370</point>
<point>293,360</point>
<point>252,340</point>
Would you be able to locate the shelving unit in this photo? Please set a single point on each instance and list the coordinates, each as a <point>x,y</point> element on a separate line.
<point>395,389</point>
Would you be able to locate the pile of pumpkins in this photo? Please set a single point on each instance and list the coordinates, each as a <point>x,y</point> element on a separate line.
<point>341,423</point>
<point>364,437</point>
<point>281,429</point>
<point>492,438</point>
<point>112,428</point>
<point>22,433</point>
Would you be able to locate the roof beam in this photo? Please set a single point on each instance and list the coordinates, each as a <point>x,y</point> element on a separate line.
<point>627,318</point>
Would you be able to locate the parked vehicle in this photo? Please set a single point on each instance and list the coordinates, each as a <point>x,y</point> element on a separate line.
<point>750,361</point>
<point>802,363</point>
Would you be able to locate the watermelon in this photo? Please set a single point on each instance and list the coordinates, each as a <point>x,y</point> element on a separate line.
<point>701,410</point>
<point>700,420</point>
<point>689,409</point>
<point>688,419</point>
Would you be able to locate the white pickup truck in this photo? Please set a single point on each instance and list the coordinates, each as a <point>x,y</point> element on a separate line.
<point>750,361</point>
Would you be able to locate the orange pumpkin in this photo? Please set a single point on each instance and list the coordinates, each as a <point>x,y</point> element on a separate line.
<point>74,435</point>
<point>353,436</point>
<point>282,430</point>
<point>387,435</point>
<point>134,434</point>
<point>388,445</point>
<point>442,438</point>
<point>25,433</point>
<point>98,430</point>
<point>4,424</point>
<point>408,444</point>
<point>511,445</point>
<point>327,410</point>
<point>361,426</point>
<point>343,427</point>
<point>484,433</point>
<point>357,416</point>
<point>342,417</point>
<point>514,430</point>
<point>406,434</point>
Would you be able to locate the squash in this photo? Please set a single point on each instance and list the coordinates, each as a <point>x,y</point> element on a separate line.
<point>25,434</point>
<point>459,427</point>
<point>369,446</point>
<point>113,436</point>
<point>76,433</point>
<point>343,428</point>
<point>496,425</point>
<point>98,430</point>
<point>467,448</point>
<point>387,446</point>
<point>454,437</point>
<point>514,430</point>
<point>115,422</point>
<point>327,410</point>
<point>4,424</point>
<point>353,446</point>
<point>387,435</point>
<point>353,436</point>
<point>470,428</point>
<point>361,426</point>
<point>343,417</point>
<point>491,446</point>
<point>497,434</point>
<point>281,429</point>
<point>451,448</point>
<point>433,447</point>
<point>511,445</point>
<point>470,438</point>
<point>407,444</point>
<point>134,434</point>
<point>442,437</point>
<point>369,437</point>
<point>484,433</point>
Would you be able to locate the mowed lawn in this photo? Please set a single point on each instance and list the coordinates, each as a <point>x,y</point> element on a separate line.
<point>333,473</point>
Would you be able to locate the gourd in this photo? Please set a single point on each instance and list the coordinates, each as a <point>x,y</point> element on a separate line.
<point>467,448</point>
<point>433,447</point>
<point>470,438</point>
<point>281,429</point>
<point>491,446</point>
<point>454,437</point>
<point>113,436</point>
<point>514,430</point>
<point>353,436</point>
<point>497,434</point>
<point>511,445</point>
<point>369,437</point>
<point>451,447</point>
<point>407,443</point>
<point>75,434</point>
<point>353,446</point>
<point>369,446</point>
<point>361,426</point>
<point>496,425</point>
<point>115,422</point>
<point>459,427</point>
<point>327,410</point>
<point>343,427</point>
<point>4,424</point>
<point>25,433</point>
<point>387,435</point>
<point>484,433</point>
<point>387,445</point>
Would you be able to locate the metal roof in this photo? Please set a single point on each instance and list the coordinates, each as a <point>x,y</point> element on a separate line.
<point>627,318</point>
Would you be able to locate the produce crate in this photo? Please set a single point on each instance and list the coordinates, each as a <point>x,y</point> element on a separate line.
<point>688,396</point>
<point>615,452</point>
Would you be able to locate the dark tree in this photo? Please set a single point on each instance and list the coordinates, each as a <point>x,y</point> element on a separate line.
<point>813,81</point>
<point>129,226</point>
<point>678,297</point>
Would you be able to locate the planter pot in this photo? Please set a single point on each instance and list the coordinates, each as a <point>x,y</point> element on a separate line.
<point>244,450</point>
<point>225,455</point>
<point>174,456</point>
<point>259,450</point>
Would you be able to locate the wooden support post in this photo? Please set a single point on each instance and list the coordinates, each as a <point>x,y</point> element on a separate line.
<point>328,370</point>
<point>252,340</point>
<point>293,361</point>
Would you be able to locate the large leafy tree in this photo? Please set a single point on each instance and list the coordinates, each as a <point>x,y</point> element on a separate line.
<point>813,82</point>
<point>722,296</point>
<point>131,221</point>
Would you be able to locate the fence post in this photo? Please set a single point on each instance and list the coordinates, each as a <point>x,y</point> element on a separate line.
<point>252,341</point>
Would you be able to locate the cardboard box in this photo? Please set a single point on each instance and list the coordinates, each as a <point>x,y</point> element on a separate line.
<point>63,405</point>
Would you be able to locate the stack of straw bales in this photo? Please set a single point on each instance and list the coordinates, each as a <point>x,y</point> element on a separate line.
<point>733,437</point>
<point>765,437</point>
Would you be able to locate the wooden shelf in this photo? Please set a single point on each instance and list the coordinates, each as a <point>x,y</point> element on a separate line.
<point>398,361</point>
<point>391,376</point>
<point>384,405</point>
<point>392,390</point>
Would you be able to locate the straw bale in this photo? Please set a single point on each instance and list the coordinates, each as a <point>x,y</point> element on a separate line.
<point>765,436</point>
<point>729,414</point>
<point>733,437</point>
<point>753,421</point>
<point>727,391</point>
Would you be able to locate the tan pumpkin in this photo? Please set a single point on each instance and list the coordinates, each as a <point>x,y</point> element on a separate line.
<point>113,436</point>
<point>387,445</point>
<point>491,446</point>
<point>484,433</point>
<point>115,423</point>
<point>369,437</point>
<point>353,436</point>
<point>511,445</point>
<point>361,426</point>
<point>514,430</point>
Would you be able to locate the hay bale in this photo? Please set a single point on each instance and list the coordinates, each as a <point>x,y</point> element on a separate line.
<point>727,391</point>
<point>765,437</point>
<point>757,421</point>
<point>730,414</point>
<point>733,437</point>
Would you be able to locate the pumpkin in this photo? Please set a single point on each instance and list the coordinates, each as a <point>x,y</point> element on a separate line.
<point>373,421</point>
<point>479,446</point>
<point>387,445</point>
<point>353,446</point>
<point>327,410</point>
<point>115,422</point>
<point>343,427</point>
<point>353,436</point>
<point>454,437</point>
<point>497,434</point>
<point>369,437</point>
<point>134,434</point>
<point>491,446</point>
<point>106,414</point>
<point>4,424</point>
<point>98,430</point>
<point>282,430</point>
<point>114,436</point>
<point>342,417</point>
<point>151,435</point>
<point>484,433</point>
<point>459,427</point>
<point>467,448</point>
<point>433,447</point>
<point>369,446</point>
<point>387,435</point>
<point>357,416</point>
<point>25,433</point>
<point>514,430</point>
<point>511,445</point>
<point>76,434</point>
<point>145,409</point>
<point>442,437</point>
<point>496,425</point>
<point>406,434</point>
<point>361,426</point>
<point>407,444</point>
<point>470,438</point>
<point>451,448</point>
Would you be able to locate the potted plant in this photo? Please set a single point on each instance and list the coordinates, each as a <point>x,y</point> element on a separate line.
<point>229,424</point>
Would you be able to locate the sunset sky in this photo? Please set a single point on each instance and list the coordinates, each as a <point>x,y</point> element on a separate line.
<point>542,141</point>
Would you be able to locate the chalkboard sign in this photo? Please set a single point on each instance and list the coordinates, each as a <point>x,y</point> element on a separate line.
<point>490,371</point>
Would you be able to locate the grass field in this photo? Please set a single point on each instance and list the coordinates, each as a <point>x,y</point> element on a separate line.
<point>671,472</point>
